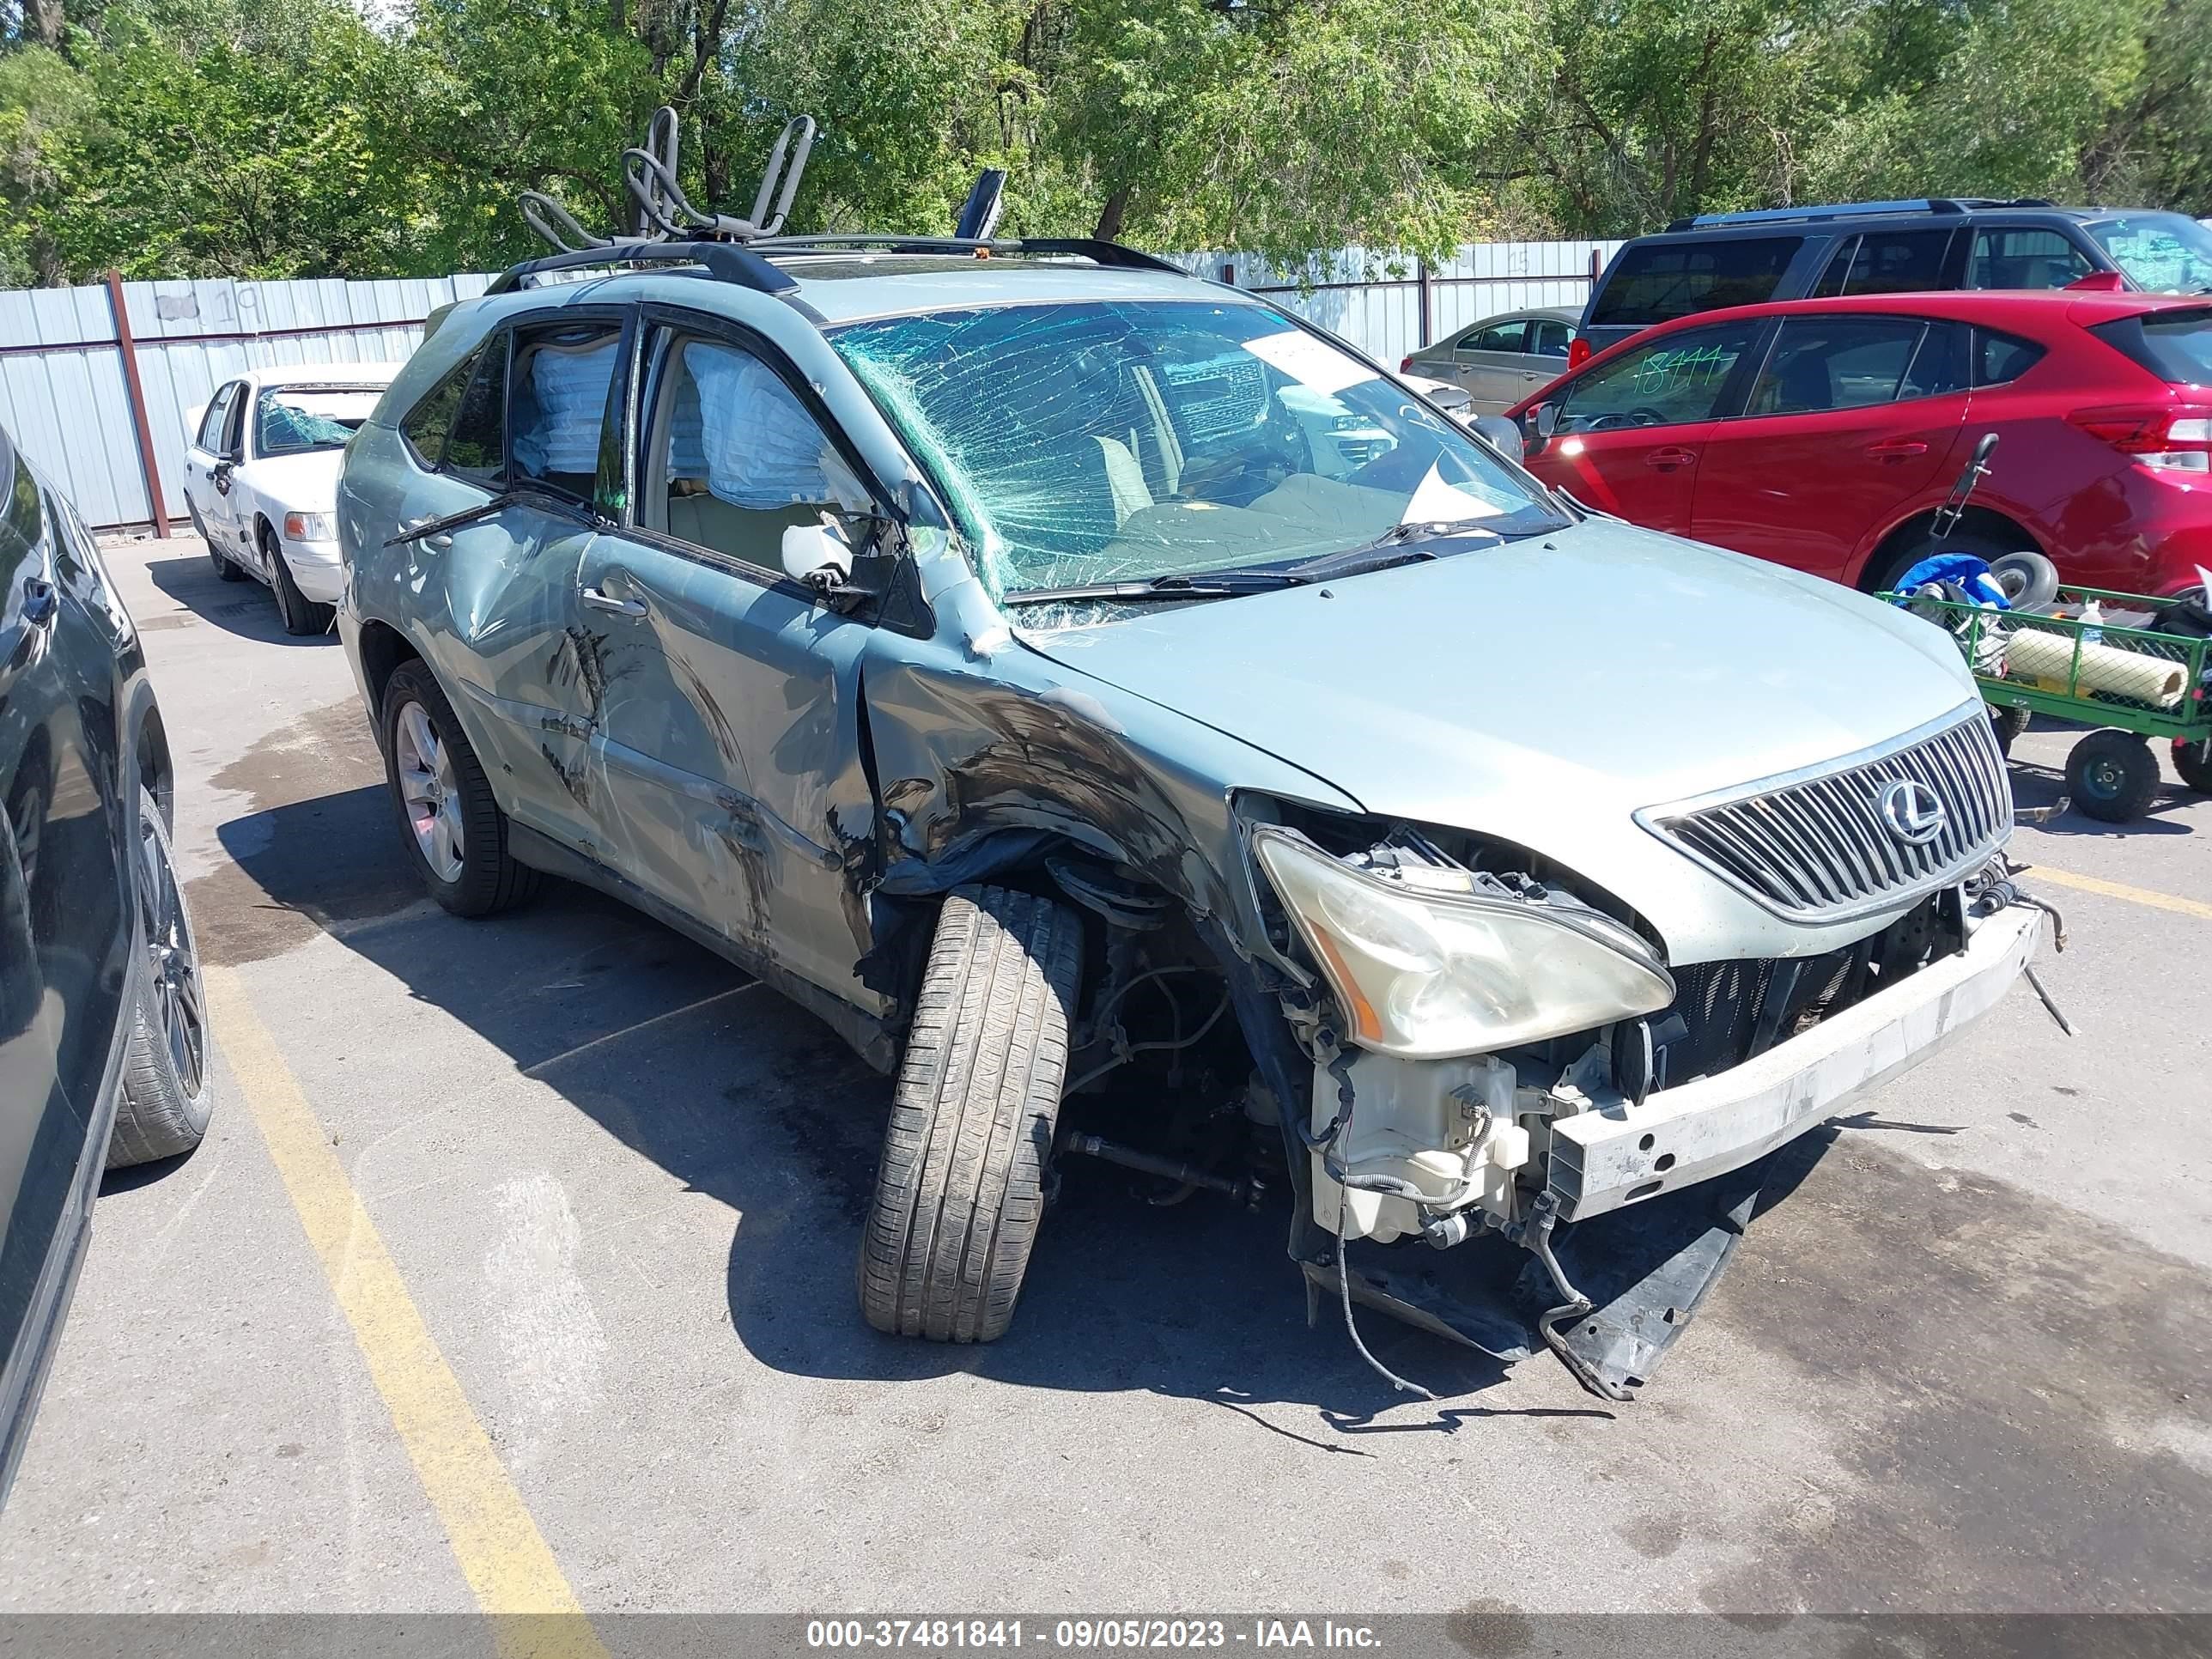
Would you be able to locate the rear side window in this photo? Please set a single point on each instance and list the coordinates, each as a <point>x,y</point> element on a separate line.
<point>1498,337</point>
<point>1663,280</point>
<point>2174,345</point>
<point>1887,262</point>
<point>426,424</point>
<point>560,395</point>
<point>1836,362</point>
<point>2025,258</point>
<point>2001,358</point>
<point>1662,384</point>
<point>477,447</point>
<point>1552,339</point>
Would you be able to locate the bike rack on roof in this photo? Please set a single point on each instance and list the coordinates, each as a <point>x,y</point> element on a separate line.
<point>731,249</point>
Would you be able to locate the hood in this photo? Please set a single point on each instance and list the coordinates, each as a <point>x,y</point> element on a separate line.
<point>1543,692</point>
<point>306,483</point>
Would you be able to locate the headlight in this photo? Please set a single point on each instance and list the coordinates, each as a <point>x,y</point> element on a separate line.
<point>310,527</point>
<point>1423,974</point>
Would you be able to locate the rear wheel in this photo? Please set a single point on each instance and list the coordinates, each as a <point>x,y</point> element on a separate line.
<point>2194,761</point>
<point>447,816</point>
<point>2112,776</point>
<point>223,568</point>
<point>961,1189</point>
<point>167,1094</point>
<point>1884,578</point>
<point>301,615</point>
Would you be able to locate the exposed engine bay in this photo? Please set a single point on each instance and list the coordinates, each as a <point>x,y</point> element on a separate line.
<point>1502,1150</point>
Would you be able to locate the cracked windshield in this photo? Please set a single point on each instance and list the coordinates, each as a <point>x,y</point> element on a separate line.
<point>1121,442</point>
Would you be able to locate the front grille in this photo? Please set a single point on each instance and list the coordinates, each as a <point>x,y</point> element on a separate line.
<point>1818,848</point>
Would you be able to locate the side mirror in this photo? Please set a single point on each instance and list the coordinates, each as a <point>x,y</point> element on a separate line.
<point>1500,434</point>
<point>818,554</point>
<point>1547,421</point>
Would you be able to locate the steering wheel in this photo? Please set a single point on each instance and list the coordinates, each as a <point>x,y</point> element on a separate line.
<point>1642,415</point>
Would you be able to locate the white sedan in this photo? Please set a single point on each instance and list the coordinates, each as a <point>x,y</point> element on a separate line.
<point>261,479</point>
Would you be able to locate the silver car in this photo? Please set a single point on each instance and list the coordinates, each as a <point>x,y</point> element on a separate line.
<point>1155,734</point>
<point>1501,360</point>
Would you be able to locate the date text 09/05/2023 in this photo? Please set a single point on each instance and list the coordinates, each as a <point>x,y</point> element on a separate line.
<point>1090,1635</point>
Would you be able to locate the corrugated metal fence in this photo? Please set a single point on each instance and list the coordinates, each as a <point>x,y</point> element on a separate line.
<point>65,373</point>
<point>64,391</point>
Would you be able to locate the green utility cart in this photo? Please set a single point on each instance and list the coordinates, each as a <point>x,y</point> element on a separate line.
<point>2134,684</point>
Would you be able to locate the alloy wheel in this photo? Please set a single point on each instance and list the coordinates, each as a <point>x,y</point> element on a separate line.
<point>428,794</point>
<point>178,1005</point>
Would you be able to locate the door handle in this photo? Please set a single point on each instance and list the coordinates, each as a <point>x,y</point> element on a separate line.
<point>1667,459</point>
<point>1897,449</point>
<point>599,601</point>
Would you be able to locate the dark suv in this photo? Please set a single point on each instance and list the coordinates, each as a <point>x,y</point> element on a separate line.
<point>1719,259</point>
<point>103,1043</point>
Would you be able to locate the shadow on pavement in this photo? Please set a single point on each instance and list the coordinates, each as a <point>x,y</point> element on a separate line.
<point>246,608</point>
<point>750,1101</point>
<point>2038,784</point>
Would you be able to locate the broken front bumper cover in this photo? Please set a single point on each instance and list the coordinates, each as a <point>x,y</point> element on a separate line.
<point>1661,1193</point>
<point>1621,1154</point>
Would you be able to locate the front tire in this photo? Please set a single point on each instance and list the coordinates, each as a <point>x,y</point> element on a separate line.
<point>961,1189</point>
<point>2194,761</point>
<point>166,1090</point>
<point>447,816</point>
<point>301,615</point>
<point>2112,776</point>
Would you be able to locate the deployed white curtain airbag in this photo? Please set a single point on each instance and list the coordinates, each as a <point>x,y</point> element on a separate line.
<point>570,385</point>
<point>759,446</point>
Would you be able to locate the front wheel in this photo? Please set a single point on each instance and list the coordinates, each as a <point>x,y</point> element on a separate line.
<point>447,816</point>
<point>961,1189</point>
<point>2112,776</point>
<point>166,1090</point>
<point>301,615</point>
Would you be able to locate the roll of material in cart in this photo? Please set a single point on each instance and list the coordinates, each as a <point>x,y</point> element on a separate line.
<point>2048,661</point>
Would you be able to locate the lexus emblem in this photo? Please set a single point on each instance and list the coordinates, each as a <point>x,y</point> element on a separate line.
<point>1914,812</point>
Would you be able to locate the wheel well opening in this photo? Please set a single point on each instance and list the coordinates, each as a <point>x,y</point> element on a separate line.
<point>1977,523</point>
<point>383,648</point>
<point>157,773</point>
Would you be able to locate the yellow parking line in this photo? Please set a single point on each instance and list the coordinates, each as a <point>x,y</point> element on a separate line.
<point>502,1553</point>
<point>2119,889</point>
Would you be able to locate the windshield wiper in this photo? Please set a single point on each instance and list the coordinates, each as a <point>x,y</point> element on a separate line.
<point>1202,585</point>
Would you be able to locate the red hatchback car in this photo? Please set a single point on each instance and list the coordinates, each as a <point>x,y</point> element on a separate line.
<point>1823,434</point>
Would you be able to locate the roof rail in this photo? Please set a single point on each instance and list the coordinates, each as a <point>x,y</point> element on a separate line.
<point>1852,211</point>
<point>728,262</point>
<point>1088,248</point>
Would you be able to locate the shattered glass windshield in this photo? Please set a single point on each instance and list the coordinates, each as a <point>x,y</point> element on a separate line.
<point>291,420</point>
<point>1115,440</point>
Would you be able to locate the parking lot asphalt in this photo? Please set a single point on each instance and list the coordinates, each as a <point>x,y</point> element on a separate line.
<point>520,1254</point>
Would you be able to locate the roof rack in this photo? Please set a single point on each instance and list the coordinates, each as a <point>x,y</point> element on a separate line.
<point>1853,211</point>
<point>728,262</point>
<point>730,249</point>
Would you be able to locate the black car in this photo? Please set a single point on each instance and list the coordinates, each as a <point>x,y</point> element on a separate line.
<point>1719,259</point>
<point>103,1028</point>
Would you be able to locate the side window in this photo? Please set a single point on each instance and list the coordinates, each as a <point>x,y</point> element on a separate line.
<point>2000,357</point>
<point>217,415</point>
<point>1890,262</point>
<point>1836,362</point>
<point>1838,272</point>
<point>2025,258</point>
<point>1941,364</point>
<point>1552,339</point>
<point>1656,282</point>
<point>476,447</point>
<point>426,425</point>
<point>1673,380</point>
<point>732,456</point>
<point>1498,337</point>
<point>234,426</point>
<point>561,395</point>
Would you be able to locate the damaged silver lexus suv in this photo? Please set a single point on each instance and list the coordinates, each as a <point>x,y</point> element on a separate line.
<point>1156,733</point>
